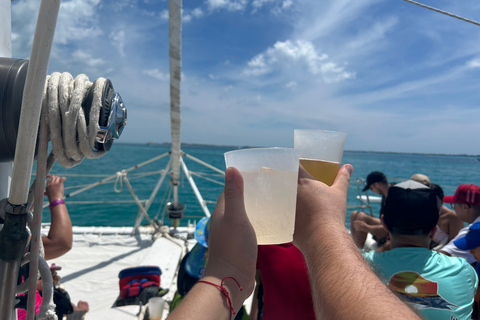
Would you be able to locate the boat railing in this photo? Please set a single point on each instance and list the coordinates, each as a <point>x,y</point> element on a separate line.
<point>363,197</point>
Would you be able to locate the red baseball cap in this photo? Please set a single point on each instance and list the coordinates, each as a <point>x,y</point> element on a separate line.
<point>466,193</point>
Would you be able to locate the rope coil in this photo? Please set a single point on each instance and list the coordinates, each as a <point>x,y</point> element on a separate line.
<point>62,112</point>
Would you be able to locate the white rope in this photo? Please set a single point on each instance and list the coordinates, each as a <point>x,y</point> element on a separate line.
<point>63,119</point>
<point>119,181</point>
<point>71,140</point>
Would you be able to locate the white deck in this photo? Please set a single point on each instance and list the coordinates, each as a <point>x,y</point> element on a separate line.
<point>90,270</point>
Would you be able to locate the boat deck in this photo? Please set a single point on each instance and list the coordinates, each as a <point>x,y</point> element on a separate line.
<point>90,269</point>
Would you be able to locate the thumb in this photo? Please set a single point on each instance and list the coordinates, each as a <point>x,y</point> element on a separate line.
<point>343,177</point>
<point>234,203</point>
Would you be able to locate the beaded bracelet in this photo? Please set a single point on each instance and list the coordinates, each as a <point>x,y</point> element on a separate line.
<point>224,291</point>
<point>56,203</point>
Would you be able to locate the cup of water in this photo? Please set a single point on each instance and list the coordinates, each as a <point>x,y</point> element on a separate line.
<point>321,152</point>
<point>156,305</point>
<point>270,188</point>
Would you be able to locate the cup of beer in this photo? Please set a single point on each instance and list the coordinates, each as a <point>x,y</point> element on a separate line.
<point>270,189</point>
<point>321,152</point>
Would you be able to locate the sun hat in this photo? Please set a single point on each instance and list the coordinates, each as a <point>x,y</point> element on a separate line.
<point>374,176</point>
<point>466,193</point>
<point>202,230</point>
<point>411,208</point>
<point>471,240</point>
<point>423,179</point>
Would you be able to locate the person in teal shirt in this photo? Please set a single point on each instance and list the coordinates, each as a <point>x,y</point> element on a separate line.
<point>436,285</point>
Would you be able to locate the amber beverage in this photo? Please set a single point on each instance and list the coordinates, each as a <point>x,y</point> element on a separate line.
<point>324,171</point>
<point>321,152</point>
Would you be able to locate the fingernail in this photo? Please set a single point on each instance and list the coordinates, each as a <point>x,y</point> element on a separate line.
<point>349,168</point>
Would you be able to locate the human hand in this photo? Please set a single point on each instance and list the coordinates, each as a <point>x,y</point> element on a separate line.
<point>318,205</point>
<point>54,188</point>
<point>55,277</point>
<point>81,305</point>
<point>232,243</point>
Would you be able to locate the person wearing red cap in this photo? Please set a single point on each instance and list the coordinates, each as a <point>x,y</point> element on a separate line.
<point>466,203</point>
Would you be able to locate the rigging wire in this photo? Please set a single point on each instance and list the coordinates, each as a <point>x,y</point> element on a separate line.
<point>443,12</point>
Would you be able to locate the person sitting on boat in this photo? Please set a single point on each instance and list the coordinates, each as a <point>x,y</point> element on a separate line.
<point>361,223</point>
<point>421,178</point>
<point>59,239</point>
<point>466,203</point>
<point>229,277</point>
<point>449,224</point>
<point>438,286</point>
<point>471,242</point>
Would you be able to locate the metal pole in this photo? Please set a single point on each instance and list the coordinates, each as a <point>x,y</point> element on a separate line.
<point>13,236</point>
<point>195,189</point>
<point>175,52</point>
<point>149,202</point>
<point>5,51</point>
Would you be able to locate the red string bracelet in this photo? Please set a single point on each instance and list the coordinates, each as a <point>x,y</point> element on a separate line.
<point>224,291</point>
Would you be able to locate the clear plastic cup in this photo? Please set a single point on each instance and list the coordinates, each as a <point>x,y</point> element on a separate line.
<point>270,187</point>
<point>321,152</point>
<point>156,305</point>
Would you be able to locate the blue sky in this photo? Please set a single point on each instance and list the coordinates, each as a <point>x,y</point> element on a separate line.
<point>394,76</point>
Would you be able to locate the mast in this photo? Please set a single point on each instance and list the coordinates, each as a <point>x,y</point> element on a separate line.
<point>6,52</point>
<point>175,52</point>
<point>13,234</point>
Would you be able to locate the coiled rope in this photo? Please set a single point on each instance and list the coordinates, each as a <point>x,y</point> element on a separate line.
<point>62,112</point>
<point>63,121</point>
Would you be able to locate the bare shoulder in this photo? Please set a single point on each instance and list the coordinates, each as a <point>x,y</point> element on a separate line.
<point>447,214</point>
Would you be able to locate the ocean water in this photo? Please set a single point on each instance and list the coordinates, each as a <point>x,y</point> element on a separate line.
<point>447,171</point>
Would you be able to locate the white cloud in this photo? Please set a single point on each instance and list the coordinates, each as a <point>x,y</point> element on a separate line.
<point>87,59</point>
<point>197,12</point>
<point>278,5</point>
<point>474,63</point>
<point>118,41</point>
<point>287,4</point>
<point>260,3</point>
<point>230,5</point>
<point>291,85</point>
<point>164,15</point>
<point>77,19</point>
<point>157,74</point>
<point>298,53</point>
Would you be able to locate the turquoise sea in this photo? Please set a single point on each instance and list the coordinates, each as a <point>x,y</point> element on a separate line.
<point>446,170</point>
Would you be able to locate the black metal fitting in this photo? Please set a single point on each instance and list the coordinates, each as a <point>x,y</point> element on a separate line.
<point>14,234</point>
<point>175,212</point>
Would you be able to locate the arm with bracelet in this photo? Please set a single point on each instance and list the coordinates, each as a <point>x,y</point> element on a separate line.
<point>59,239</point>
<point>229,276</point>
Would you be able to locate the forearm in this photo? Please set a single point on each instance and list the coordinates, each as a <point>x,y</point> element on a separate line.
<point>341,280</point>
<point>59,239</point>
<point>205,301</point>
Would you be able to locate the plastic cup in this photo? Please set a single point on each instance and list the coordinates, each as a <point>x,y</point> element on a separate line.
<point>156,305</point>
<point>321,152</point>
<point>270,189</point>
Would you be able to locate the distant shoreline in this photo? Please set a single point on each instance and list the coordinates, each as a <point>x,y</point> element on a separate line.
<point>352,151</point>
